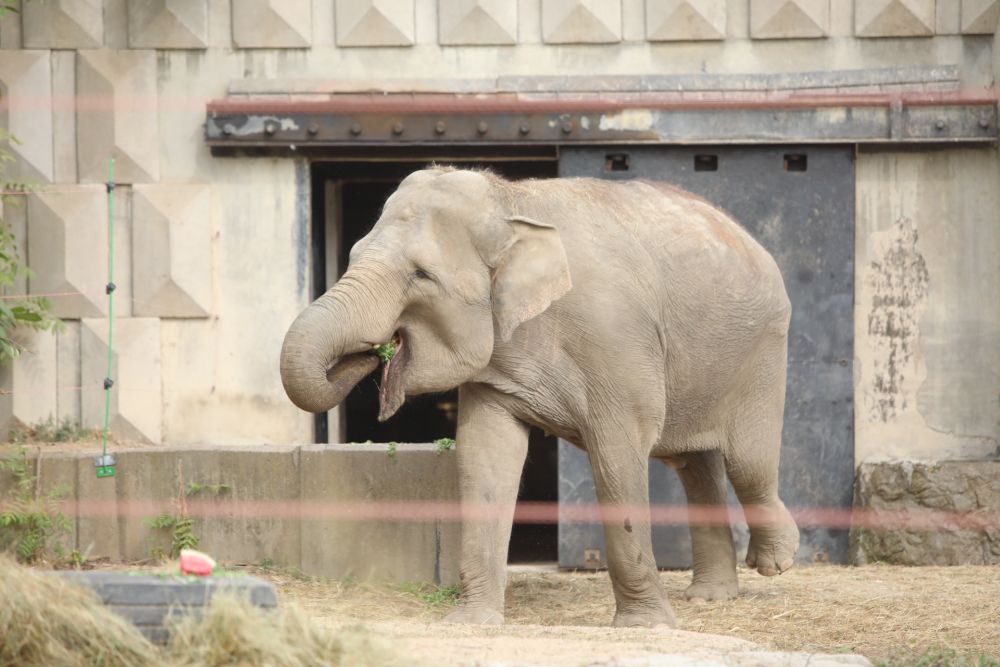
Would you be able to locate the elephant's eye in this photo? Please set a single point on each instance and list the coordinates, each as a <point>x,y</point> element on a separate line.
<point>422,275</point>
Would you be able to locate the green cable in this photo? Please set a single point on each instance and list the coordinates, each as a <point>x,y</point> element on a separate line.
<point>105,470</point>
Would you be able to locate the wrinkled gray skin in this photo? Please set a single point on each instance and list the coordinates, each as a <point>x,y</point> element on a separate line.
<point>632,319</point>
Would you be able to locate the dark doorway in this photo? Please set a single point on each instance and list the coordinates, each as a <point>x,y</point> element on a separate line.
<point>347,200</point>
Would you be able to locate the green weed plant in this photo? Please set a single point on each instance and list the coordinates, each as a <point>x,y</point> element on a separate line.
<point>30,523</point>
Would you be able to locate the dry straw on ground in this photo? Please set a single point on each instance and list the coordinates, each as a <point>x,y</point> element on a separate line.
<point>234,632</point>
<point>880,611</point>
<point>45,621</point>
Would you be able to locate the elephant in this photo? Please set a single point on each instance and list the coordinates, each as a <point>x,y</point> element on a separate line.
<point>630,318</point>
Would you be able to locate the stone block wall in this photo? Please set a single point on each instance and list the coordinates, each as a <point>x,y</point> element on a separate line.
<point>212,254</point>
<point>941,513</point>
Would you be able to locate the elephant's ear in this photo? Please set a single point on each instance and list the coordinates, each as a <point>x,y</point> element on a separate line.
<point>530,273</point>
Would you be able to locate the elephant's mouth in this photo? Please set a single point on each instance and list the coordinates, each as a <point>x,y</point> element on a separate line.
<point>392,394</point>
<point>348,372</point>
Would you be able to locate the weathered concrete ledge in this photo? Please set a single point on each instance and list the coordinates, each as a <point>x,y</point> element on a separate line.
<point>340,511</point>
<point>354,511</point>
<point>927,513</point>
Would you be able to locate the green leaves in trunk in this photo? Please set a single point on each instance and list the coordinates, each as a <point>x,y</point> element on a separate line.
<point>386,352</point>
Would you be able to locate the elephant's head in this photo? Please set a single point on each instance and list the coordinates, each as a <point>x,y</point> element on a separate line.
<point>449,265</point>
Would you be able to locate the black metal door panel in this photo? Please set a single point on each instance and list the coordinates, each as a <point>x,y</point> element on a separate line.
<point>799,203</point>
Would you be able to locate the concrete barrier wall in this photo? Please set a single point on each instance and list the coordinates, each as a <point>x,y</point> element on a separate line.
<point>340,511</point>
<point>355,512</point>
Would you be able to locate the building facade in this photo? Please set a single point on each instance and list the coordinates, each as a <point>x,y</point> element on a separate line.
<point>215,243</point>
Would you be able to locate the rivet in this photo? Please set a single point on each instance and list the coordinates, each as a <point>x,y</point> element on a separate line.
<point>270,128</point>
<point>356,129</point>
<point>228,128</point>
<point>313,128</point>
<point>567,126</point>
<point>941,124</point>
<point>440,127</point>
<point>524,129</point>
<point>482,128</point>
<point>397,128</point>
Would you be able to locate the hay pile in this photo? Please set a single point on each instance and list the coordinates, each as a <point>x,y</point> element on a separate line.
<point>46,621</point>
<point>234,632</point>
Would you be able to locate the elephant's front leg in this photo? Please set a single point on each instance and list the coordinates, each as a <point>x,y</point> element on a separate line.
<point>621,475</point>
<point>491,448</point>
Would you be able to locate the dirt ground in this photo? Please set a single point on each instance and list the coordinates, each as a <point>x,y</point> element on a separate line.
<point>882,612</point>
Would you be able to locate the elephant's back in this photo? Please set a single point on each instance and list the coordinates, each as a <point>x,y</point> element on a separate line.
<point>721,296</point>
<point>660,270</point>
<point>692,243</point>
<point>653,211</point>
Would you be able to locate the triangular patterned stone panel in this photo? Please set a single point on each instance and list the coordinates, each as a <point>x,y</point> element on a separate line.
<point>375,22</point>
<point>117,106</point>
<point>477,22</point>
<point>63,24</point>
<point>136,396</point>
<point>685,20</point>
<point>29,384</point>
<point>980,17</point>
<point>68,249</point>
<point>25,79</point>
<point>171,250</point>
<point>789,19</point>
<point>581,21</point>
<point>272,24</point>
<point>168,24</point>
<point>894,18</point>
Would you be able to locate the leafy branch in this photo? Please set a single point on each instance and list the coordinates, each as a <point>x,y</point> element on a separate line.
<point>18,312</point>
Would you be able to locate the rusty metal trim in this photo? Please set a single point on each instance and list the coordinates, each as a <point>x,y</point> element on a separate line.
<point>385,120</point>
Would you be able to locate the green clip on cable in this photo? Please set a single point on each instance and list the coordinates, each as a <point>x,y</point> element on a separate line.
<point>106,462</point>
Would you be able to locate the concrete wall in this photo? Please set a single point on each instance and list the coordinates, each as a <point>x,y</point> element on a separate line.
<point>927,317</point>
<point>212,253</point>
<point>339,511</point>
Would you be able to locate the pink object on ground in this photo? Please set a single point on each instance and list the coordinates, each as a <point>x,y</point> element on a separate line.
<point>197,563</point>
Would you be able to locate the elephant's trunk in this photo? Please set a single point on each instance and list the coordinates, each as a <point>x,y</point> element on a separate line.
<point>327,350</point>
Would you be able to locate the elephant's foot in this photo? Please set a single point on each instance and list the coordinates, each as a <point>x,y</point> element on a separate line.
<point>646,617</point>
<point>700,592</point>
<point>475,616</point>
<point>773,544</point>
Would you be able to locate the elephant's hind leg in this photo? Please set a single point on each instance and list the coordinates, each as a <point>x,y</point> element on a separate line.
<point>703,475</point>
<point>752,457</point>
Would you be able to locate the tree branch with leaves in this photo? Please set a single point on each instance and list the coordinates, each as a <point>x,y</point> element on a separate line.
<point>17,311</point>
